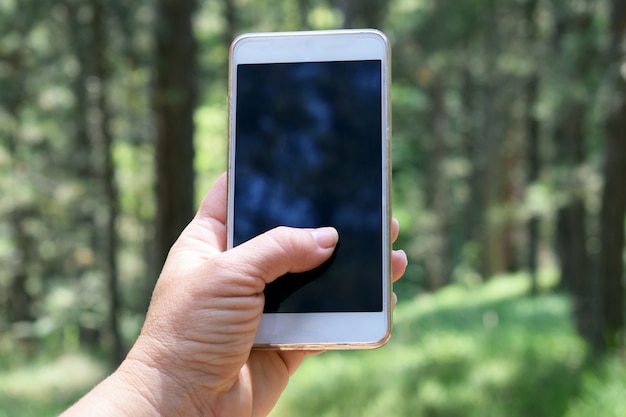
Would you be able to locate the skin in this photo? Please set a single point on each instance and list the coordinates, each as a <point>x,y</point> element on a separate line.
<point>194,355</point>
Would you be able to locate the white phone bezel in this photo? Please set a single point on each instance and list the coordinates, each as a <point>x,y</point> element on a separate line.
<point>360,330</point>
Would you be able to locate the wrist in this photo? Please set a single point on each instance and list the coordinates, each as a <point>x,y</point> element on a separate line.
<point>139,388</point>
<point>117,395</point>
<point>159,390</point>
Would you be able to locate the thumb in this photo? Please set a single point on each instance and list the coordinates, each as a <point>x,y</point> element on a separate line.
<point>283,249</point>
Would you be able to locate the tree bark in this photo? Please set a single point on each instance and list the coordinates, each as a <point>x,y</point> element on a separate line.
<point>304,6</point>
<point>571,149</point>
<point>613,209</point>
<point>438,265</point>
<point>363,13</point>
<point>493,179</point>
<point>231,19</point>
<point>102,132</point>
<point>174,96</point>
<point>533,160</point>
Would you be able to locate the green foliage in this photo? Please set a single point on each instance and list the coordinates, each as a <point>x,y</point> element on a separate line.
<point>604,391</point>
<point>487,351</point>
<point>45,390</point>
<point>211,144</point>
<point>490,351</point>
<point>461,106</point>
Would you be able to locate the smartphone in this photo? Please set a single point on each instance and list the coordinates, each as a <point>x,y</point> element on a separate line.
<point>309,146</point>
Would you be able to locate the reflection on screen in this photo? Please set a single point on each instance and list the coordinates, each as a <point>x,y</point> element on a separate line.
<point>308,154</point>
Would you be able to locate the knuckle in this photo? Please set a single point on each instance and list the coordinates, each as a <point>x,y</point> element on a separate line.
<point>287,240</point>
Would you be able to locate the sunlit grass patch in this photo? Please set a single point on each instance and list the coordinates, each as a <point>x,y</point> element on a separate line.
<point>603,393</point>
<point>47,389</point>
<point>485,351</point>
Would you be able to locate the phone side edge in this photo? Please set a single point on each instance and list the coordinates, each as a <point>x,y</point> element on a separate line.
<point>230,165</point>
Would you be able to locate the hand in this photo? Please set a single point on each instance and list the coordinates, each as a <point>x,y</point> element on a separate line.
<point>194,355</point>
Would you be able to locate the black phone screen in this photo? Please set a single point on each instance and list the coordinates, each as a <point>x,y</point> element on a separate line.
<point>308,153</point>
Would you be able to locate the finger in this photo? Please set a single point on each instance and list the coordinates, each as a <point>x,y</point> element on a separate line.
<point>206,234</point>
<point>281,250</point>
<point>399,262</point>
<point>214,203</point>
<point>270,372</point>
<point>395,229</point>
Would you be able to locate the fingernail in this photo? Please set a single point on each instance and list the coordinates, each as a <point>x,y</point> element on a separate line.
<point>406,258</point>
<point>326,237</point>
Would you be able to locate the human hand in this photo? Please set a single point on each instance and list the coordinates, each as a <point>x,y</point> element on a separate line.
<point>194,355</point>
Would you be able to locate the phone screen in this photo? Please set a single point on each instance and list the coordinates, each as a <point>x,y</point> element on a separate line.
<point>308,153</point>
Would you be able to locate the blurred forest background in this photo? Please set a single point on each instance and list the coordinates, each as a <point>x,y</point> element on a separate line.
<point>509,181</point>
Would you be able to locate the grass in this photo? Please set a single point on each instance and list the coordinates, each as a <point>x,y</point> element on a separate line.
<point>604,388</point>
<point>489,351</point>
<point>43,390</point>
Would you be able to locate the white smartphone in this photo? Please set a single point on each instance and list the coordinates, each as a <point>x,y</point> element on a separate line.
<point>309,146</point>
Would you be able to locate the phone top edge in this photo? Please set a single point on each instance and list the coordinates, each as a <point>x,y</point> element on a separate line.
<point>309,46</point>
<point>269,34</point>
<point>308,33</point>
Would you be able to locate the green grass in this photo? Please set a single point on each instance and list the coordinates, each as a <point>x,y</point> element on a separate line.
<point>604,388</point>
<point>491,351</point>
<point>43,390</point>
<point>488,351</point>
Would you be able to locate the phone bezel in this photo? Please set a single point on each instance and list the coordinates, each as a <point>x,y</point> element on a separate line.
<point>306,331</point>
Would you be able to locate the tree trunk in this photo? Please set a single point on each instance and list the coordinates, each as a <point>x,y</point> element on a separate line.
<point>304,6</point>
<point>570,147</point>
<point>363,13</point>
<point>493,259</point>
<point>473,250</point>
<point>102,132</point>
<point>571,232</point>
<point>83,156</point>
<point>19,299</point>
<point>231,19</point>
<point>174,98</point>
<point>533,163</point>
<point>437,262</point>
<point>613,209</point>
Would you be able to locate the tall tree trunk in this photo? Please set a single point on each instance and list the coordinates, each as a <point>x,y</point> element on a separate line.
<point>533,163</point>
<point>493,260</point>
<point>231,19</point>
<point>19,300</point>
<point>438,264</point>
<point>363,13</point>
<point>102,133</point>
<point>473,250</point>
<point>571,232</point>
<point>174,98</point>
<point>83,156</point>
<point>304,6</point>
<point>613,209</point>
<point>570,147</point>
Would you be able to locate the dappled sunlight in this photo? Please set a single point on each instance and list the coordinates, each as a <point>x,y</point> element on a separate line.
<point>508,161</point>
<point>63,376</point>
<point>458,351</point>
<point>493,373</point>
<point>211,143</point>
<point>48,388</point>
